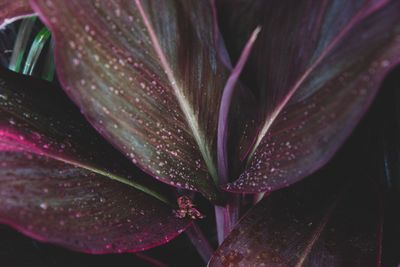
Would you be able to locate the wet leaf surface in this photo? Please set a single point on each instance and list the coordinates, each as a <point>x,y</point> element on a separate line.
<point>58,184</point>
<point>315,68</point>
<point>147,76</point>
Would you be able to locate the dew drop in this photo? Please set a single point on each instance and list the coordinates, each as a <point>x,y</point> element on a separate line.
<point>385,63</point>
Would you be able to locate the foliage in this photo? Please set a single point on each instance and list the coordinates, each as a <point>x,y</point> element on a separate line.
<point>173,109</point>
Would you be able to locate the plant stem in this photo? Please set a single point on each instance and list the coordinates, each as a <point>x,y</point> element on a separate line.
<point>258,197</point>
<point>150,260</point>
<point>220,219</point>
<point>227,216</point>
<point>200,242</point>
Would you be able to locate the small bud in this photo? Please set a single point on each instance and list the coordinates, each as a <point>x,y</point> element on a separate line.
<point>187,209</point>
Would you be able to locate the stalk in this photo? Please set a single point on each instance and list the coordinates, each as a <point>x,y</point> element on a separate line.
<point>150,260</point>
<point>200,242</point>
<point>258,197</point>
<point>227,216</point>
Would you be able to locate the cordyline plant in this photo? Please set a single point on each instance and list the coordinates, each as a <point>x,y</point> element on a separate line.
<point>158,86</point>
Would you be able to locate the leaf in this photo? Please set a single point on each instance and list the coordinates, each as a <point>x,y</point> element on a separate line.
<point>317,67</point>
<point>319,222</point>
<point>11,10</point>
<point>35,51</point>
<point>218,40</point>
<point>223,121</point>
<point>19,43</point>
<point>147,76</point>
<point>23,252</point>
<point>51,185</point>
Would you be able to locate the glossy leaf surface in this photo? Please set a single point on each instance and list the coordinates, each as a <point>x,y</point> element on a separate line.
<point>13,9</point>
<point>317,66</point>
<point>58,184</point>
<point>316,223</point>
<point>148,78</point>
<point>223,121</point>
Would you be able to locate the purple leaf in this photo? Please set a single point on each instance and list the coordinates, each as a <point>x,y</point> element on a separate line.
<point>11,10</point>
<point>317,66</point>
<point>147,76</point>
<point>226,101</point>
<point>58,184</point>
<point>317,223</point>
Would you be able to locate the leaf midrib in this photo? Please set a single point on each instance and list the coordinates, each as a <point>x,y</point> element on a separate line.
<point>321,227</point>
<point>96,170</point>
<point>183,102</point>
<point>106,174</point>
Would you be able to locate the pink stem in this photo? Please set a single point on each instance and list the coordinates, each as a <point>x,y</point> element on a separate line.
<point>150,260</point>
<point>200,242</point>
